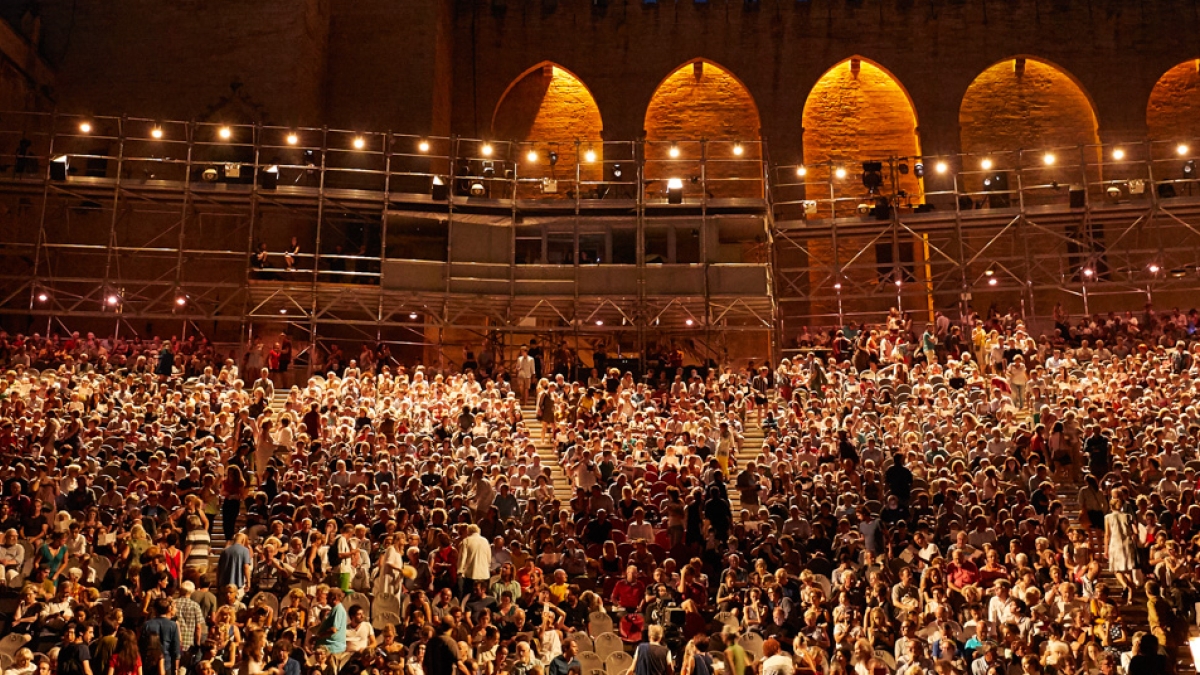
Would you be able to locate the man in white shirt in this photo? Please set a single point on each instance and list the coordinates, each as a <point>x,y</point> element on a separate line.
<point>360,636</point>
<point>526,371</point>
<point>12,556</point>
<point>474,558</point>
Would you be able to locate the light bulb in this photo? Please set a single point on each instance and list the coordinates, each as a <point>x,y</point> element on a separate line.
<point>589,156</point>
<point>531,155</point>
<point>1118,154</point>
<point>986,164</point>
<point>674,151</point>
<point>292,139</point>
<point>156,133</point>
<point>423,146</point>
<point>941,167</point>
<point>359,143</point>
<point>486,150</point>
<point>85,127</point>
<point>801,171</point>
<point>738,149</point>
<point>1182,149</point>
<point>841,172</point>
<point>225,133</point>
<point>1049,159</point>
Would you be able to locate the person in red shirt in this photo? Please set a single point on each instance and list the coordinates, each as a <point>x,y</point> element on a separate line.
<point>629,591</point>
<point>961,572</point>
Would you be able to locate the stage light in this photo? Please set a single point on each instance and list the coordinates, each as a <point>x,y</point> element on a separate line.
<point>1088,272</point>
<point>801,171</point>
<point>156,133</point>
<point>599,322</point>
<point>42,297</point>
<point>986,164</point>
<point>553,157</point>
<point>993,281</point>
<point>674,152</point>
<point>1182,149</point>
<point>837,286</point>
<point>359,143</point>
<point>85,127</point>
<point>872,176</point>
<point>989,272</point>
<point>738,149</point>
<point>269,178</point>
<point>225,133</point>
<point>413,316</point>
<point>292,139</point>
<point>899,283</point>
<point>486,150</point>
<point>589,156</point>
<point>1189,169</point>
<point>423,146</point>
<point>114,300</point>
<point>941,167</point>
<point>1118,154</point>
<point>181,301</point>
<point>919,169</point>
<point>1154,269</point>
<point>690,322</point>
<point>477,189</point>
<point>675,191</point>
<point>531,156</point>
<point>1049,159</point>
<point>283,310</point>
<point>841,172</point>
<point>616,170</point>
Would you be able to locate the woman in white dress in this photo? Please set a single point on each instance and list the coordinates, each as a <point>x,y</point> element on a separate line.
<point>391,566</point>
<point>1120,539</point>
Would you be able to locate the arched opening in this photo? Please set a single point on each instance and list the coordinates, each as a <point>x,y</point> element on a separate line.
<point>701,101</point>
<point>555,113</point>
<point>858,112</point>
<point>1173,113</point>
<point>1025,104</point>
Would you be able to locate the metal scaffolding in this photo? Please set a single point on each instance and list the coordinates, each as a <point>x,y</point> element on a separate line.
<point>134,226</point>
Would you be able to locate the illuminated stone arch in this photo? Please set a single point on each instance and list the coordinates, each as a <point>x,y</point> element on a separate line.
<point>702,100</point>
<point>554,111</point>
<point>1025,103</point>
<point>1173,112</point>
<point>859,111</point>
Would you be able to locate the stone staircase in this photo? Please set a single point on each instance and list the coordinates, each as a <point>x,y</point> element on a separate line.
<point>217,543</point>
<point>752,442</point>
<point>545,449</point>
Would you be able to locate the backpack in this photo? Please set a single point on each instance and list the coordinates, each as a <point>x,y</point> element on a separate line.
<point>333,557</point>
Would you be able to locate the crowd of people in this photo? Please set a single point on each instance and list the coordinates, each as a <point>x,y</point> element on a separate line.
<point>979,501</point>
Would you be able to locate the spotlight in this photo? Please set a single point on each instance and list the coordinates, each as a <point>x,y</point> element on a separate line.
<point>589,156</point>
<point>989,272</point>
<point>292,139</point>
<point>413,316</point>
<point>899,283</point>
<point>738,149</point>
<point>837,286</point>
<point>531,156</point>
<point>85,127</point>
<point>801,171</point>
<point>599,322</point>
<point>1049,159</point>
<point>114,300</point>
<point>986,164</point>
<point>181,301</point>
<point>156,133</point>
<point>1154,269</point>
<point>690,322</point>
<point>674,151</point>
<point>423,146</point>
<point>553,157</point>
<point>486,150</point>
<point>489,170</point>
<point>477,189</point>
<point>283,310</point>
<point>1118,154</point>
<point>993,281</point>
<point>902,167</point>
<point>210,175</point>
<point>941,167</point>
<point>1182,149</point>
<point>872,176</point>
<point>919,169</point>
<point>1088,272</point>
<point>225,133</point>
<point>42,297</point>
<point>359,143</point>
<point>1189,169</point>
<point>841,172</point>
<point>675,191</point>
<point>616,170</point>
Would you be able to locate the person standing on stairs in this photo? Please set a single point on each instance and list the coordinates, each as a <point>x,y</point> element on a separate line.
<point>233,492</point>
<point>1122,552</point>
<point>525,372</point>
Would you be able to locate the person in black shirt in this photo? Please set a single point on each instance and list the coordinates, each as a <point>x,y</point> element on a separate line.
<point>74,657</point>
<point>899,479</point>
<point>441,653</point>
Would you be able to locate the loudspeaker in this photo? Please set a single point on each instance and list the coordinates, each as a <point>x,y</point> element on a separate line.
<point>1078,197</point>
<point>1166,190</point>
